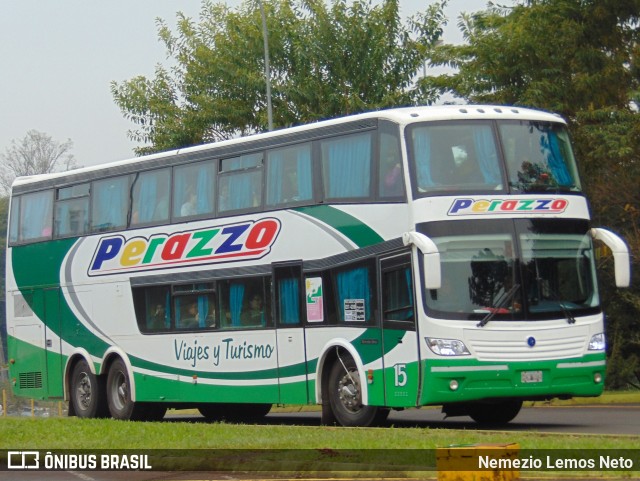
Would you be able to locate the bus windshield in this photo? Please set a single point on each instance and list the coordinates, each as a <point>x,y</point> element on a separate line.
<point>524,269</point>
<point>465,156</point>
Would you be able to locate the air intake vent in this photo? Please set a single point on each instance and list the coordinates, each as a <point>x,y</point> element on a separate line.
<point>30,380</point>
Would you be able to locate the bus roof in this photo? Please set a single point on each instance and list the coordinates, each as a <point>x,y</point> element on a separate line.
<point>401,116</point>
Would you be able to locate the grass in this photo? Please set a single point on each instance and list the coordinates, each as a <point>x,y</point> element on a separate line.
<point>311,445</point>
<point>310,449</point>
<point>74,433</point>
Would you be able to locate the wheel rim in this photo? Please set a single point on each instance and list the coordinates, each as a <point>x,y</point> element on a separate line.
<point>119,391</point>
<point>83,391</point>
<point>349,391</point>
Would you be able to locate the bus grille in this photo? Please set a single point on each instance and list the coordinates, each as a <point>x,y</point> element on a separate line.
<point>513,346</point>
<point>30,380</point>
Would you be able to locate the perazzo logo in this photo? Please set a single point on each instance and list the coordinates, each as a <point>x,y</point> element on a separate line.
<point>508,206</point>
<point>233,242</point>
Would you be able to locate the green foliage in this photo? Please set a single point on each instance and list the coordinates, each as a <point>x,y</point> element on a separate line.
<point>326,61</point>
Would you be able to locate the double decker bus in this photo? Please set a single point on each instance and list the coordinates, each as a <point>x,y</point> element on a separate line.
<point>388,260</point>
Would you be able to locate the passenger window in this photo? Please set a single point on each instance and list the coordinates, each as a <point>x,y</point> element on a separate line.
<point>354,294</point>
<point>391,183</point>
<point>14,225</point>
<point>289,175</point>
<point>72,211</point>
<point>240,185</point>
<point>36,216</point>
<point>110,203</point>
<point>245,303</point>
<point>346,166</point>
<point>194,190</point>
<point>397,292</point>
<point>150,197</point>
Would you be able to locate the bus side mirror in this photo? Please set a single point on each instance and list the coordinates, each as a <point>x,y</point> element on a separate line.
<point>620,254</point>
<point>430,255</point>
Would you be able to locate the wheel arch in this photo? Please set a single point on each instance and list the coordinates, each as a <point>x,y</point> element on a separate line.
<point>328,357</point>
<point>78,355</point>
<point>110,356</point>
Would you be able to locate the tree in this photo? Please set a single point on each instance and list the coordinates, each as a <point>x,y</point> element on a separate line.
<point>580,59</point>
<point>326,60</point>
<point>36,153</point>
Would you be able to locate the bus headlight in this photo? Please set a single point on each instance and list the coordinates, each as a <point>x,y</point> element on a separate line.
<point>447,347</point>
<point>597,342</point>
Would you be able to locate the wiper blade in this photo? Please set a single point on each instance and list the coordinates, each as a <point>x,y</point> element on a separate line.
<point>506,297</point>
<point>567,313</point>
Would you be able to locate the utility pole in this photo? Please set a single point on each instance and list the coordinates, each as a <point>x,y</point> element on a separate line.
<point>267,71</point>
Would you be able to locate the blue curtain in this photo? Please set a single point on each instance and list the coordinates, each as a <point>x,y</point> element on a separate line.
<point>236,294</point>
<point>354,284</point>
<point>289,301</point>
<point>36,215</point>
<point>204,189</point>
<point>167,310</point>
<point>203,310</point>
<point>63,217</point>
<point>347,165</point>
<point>111,203</point>
<point>487,154</point>
<point>422,154</point>
<point>305,184</point>
<point>148,197</point>
<point>277,176</point>
<point>551,150</point>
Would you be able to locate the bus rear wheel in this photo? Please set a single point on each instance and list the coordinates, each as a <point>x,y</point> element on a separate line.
<point>119,398</point>
<point>87,392</point>
<point>496,413</point>
<point>345,396</point>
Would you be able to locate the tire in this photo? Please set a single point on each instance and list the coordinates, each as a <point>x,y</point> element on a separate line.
<point>119,392</point>
<point>345,396</point>
<point>492,414</point>
<point>87,396</point>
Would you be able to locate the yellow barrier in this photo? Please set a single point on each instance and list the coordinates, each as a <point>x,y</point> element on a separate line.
<point>478,462</point>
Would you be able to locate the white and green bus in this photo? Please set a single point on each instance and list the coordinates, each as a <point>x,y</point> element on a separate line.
<point>388,260</point>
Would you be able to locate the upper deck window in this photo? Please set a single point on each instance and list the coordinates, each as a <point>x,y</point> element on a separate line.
<point>240,183</point>
<point>31,217</point>
<point>538,157</point>
<point>72,211</point>
<point>346,166</point>
<point>289,175</point>
<point>150,197</point>
<point>454,156</point>
<point>110,204</point>
<point>194,189</point>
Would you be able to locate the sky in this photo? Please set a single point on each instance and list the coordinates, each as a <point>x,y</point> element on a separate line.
<point>58,58</point>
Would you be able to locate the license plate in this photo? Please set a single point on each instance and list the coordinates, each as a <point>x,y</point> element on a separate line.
<point>531,376</point>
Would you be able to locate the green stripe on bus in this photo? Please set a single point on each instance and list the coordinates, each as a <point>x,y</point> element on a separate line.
<point>351,227</point>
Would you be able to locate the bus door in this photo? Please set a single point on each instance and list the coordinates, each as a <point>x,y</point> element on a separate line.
<point>53,348</point>
<point>289,311</point>
<point>400,338</point>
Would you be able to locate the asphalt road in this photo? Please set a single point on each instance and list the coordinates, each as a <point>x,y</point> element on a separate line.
<point>610,419</point>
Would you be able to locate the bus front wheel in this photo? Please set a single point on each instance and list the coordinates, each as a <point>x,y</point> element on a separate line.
<point>345,396</point>
<point>87,392</point>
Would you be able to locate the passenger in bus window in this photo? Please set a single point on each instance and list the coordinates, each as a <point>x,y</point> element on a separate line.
<point>392,183</point>
<point>191,318</point>
<point>158,317</point>
<point>189,206</point>
<point>254,316</point>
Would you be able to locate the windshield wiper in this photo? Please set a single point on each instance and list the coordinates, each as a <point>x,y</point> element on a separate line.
<point>502,300</point>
